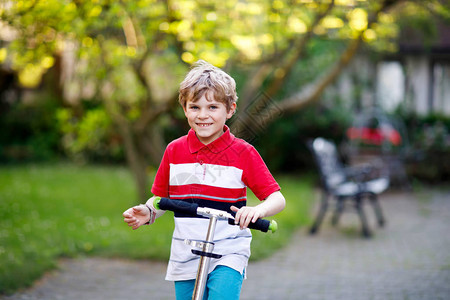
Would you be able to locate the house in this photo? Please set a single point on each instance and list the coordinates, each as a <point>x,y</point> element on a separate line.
<point>417,77</point>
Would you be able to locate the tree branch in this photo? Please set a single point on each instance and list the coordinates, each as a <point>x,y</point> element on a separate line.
<point>288,59</point>
<point>312,92</point>
<point>150,115</point>
<point>299,49</point>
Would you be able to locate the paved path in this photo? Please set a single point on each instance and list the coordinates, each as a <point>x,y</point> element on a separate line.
<point>408,259</point>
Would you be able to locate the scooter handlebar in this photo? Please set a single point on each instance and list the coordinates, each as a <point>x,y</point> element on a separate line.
<point>191,209</point>
<point>175,206</point>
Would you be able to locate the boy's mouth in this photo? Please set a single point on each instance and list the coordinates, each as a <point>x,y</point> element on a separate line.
<point>204,124</point>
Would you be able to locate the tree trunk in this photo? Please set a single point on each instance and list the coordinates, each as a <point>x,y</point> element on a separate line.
<point>135,159</point>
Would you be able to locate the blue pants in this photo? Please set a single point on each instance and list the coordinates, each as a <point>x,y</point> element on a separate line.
<point>223,283</point>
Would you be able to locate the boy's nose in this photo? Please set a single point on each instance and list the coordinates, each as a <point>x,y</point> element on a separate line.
<point>203,114</point>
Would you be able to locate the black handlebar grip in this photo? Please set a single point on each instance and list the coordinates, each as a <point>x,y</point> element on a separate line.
<point>260,224</point>
<point>178,206</point>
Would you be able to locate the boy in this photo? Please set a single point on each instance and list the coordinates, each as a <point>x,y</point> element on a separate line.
<point>211,167</point>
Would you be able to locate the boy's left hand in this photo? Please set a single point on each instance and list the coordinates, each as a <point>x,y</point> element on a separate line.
<point>272,205</point>
<point>245,215</point>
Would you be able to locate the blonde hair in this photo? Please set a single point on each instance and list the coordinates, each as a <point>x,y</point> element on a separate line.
<point>204,79</point>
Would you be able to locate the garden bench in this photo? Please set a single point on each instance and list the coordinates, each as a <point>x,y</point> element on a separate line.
<point>342,183</point>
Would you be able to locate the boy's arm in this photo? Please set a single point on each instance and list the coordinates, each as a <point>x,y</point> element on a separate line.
<point>139,215</point>
<point>272,205</point>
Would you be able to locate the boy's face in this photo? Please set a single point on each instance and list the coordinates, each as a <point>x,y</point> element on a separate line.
<point>207,118</point>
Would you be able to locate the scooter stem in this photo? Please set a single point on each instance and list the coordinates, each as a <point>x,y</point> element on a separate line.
<point>203,266</point>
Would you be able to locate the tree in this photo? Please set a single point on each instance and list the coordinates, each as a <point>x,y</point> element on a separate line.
<point>132,54</point>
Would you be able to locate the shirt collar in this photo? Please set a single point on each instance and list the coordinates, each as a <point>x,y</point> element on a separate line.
<point>218,145</point>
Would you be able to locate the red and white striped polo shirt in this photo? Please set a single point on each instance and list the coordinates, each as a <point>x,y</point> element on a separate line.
<point>215,175</point>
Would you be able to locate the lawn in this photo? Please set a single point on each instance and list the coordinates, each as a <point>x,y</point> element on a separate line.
<point>62,210</point>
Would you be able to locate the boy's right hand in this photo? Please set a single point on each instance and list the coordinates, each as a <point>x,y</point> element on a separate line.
<point>136,216</point>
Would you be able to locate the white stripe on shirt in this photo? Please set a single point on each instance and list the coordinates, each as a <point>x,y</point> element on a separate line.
<point>207,174</point>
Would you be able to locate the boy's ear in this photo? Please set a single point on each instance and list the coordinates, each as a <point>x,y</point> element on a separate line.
<point>232,110</point>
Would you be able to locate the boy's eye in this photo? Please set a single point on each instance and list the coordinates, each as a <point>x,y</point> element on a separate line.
<point>213,107</point>
<point>193,107</point>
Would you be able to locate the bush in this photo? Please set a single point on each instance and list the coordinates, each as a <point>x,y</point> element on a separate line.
<point>429,137</point>
<point>29,131</point>
<point>284,144</point>
<point>89,137</point>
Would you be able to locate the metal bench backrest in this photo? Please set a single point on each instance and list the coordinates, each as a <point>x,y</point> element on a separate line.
<point>331,170</point>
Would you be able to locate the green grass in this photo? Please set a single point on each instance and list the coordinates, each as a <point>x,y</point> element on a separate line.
<point>53,211</point>
<point>299,194</point>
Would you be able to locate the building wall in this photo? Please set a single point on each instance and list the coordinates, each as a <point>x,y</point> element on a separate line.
<point>418,83</point>
<point>441,87</point>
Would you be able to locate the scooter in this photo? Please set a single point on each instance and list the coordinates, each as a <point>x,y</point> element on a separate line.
<point>205,248</point>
